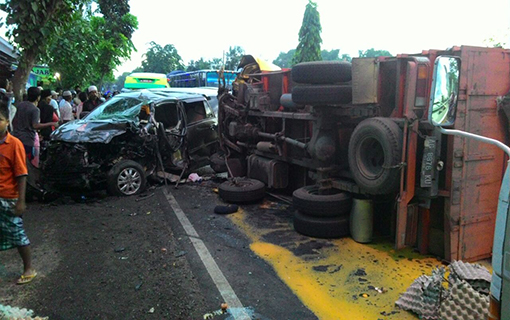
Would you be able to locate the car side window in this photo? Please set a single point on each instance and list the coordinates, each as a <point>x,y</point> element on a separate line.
<point>208,110</point>
<point>195,111</point>
<point>167,114</point>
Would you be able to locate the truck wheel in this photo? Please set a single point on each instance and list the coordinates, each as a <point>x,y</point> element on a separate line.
<point>242,190</point>
<point>322,72</point>
<point>126,178</point>
<point>321,227</point>
<point>330,204</point>
<point>320,95</point>
<point>375,152</point>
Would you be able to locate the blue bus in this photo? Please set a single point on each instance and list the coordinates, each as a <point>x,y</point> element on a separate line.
<point>200,78</point>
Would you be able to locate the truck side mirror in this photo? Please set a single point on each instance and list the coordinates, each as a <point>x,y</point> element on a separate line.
<point>445,91</point>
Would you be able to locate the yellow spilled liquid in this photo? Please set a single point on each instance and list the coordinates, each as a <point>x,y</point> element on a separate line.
<point>345,279</point>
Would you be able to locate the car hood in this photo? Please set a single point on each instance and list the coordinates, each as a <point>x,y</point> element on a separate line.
<point>101,131</point>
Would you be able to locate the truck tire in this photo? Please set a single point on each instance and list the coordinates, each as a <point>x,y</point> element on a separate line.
<point>322,72</point>
<point>321,227</point>
<point>242,190</point>
<point>375,152</point>
<point>309,201</point>
<point>126,178</point>
<point>320,95</point>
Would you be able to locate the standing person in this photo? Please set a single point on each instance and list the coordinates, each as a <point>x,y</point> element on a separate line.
<point>27,121</point>
<point>93,100</point>
<point>54,102</point>
<point>65,108</point>
<point>47,114</point>
<point>83,97</point>
<point>13,177</point>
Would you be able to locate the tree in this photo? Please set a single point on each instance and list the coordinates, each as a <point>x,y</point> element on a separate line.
<point>29,23</point>
<point>284,60</point>
<point>161,59</point>
<point>121,79</point>
<point>115,30</point>
<point>309,47</point>
<point>372,53</point>
<point>233,57</point>
<point>74,55</point>
<point>198,65</point>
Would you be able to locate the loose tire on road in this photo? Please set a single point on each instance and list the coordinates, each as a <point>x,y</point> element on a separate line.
<point>320,95</point>
<point>322,72</point>
<point>321,227</point>
<point>375,152</point>
<point>126,178</point>
<point>242,190</point>
<point>330,204</point>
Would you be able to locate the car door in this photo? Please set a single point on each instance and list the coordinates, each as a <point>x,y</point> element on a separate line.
<point>202,136</point>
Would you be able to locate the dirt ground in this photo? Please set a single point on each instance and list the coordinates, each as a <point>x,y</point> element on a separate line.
<point>106,258</point>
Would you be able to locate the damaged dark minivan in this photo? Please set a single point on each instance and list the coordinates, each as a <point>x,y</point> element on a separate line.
<point>129,138</point>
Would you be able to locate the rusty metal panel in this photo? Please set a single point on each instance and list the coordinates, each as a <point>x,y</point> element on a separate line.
<point>364,80</point>
<point>477,177</point>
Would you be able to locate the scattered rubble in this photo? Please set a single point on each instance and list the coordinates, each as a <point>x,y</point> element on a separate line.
<point>15,313</point>
<point>464,295</point>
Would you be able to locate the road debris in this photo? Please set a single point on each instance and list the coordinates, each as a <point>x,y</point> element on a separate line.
<point>138,286</point>
<point>151,310</point>
<point>194,177</point>
<point>463,295</point>
<point>145,196</point>
<point>180,254</point>
<point>226,209</point>
<point>271,205</point>
<point>219,312</point>
<point>8,312</point>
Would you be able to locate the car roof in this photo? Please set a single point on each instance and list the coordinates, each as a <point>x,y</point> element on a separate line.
<point>157,95</point>
<point>207,91</point>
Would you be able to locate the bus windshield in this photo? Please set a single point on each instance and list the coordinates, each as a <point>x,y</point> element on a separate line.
<point>200,78</point>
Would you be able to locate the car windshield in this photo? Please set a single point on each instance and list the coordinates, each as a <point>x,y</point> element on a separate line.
<point>119,108</point>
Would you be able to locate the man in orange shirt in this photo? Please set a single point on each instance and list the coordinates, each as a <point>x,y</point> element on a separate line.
<point>13,175</point>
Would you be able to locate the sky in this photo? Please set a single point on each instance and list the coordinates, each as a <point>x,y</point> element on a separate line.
<point>264,28</point>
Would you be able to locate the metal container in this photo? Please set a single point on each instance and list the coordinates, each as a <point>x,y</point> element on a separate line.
<point>361,220</point>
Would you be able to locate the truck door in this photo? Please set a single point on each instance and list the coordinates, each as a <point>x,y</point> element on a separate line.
<point>477,168</point>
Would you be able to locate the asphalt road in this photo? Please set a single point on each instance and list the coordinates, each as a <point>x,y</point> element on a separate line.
<point>167,255</point>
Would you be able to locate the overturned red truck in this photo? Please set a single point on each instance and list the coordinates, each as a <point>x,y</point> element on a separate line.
<point>332,131</point>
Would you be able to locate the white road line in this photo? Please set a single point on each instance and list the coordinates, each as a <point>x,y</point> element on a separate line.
<point>217,276</point>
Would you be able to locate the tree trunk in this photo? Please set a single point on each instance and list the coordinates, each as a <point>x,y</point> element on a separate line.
<point>20,78</point>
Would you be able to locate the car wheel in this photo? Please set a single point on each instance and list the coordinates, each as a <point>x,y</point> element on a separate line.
<point>321,227</point>
<point>320,95</point>
<point>322,72</point>
<point>375,152</point>
<point>242,190</point>
<point>331,203</point>
<point>126,178</point>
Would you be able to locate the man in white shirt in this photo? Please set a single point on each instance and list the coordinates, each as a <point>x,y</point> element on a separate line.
<point>66,111</point>
<point>54,103</point>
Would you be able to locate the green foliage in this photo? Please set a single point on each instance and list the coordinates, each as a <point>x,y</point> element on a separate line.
<point>75,54</point>
<point>198,65</point>
<point>284,60</point>
<point>119,82</point>
<point>161,59</point>
<point>233,57</point>
<point>30,24</point>
<point>372,53</point>
<point>115,31</point>
<point>309,47</point>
